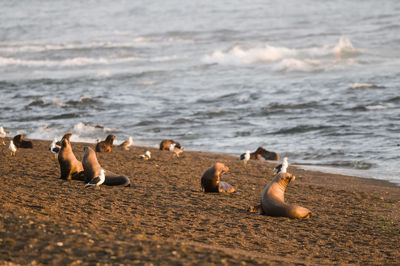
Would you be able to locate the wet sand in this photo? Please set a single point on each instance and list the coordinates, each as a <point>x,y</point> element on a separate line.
<point>164,218</point>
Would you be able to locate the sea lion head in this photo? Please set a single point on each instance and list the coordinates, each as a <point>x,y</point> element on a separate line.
<point>286,177</point>
<point>220,168</point>
<point>65,142</point>
<point>67,136</point>
<point>87,151</point>
<point>18,139</point>
<point>110,138</point>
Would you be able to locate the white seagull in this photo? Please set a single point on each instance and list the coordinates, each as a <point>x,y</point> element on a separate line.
<point>97,181</point>
<point>146,155</point>
<point>127,143</point>
<point>175,150</point>
<point>54,148</point>
<point>3,134</point>
<point>12,148</point>
<point>246,158</point>
<point>282,168</point>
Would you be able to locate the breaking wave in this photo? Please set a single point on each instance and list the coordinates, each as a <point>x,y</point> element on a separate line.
<point>284,58</point>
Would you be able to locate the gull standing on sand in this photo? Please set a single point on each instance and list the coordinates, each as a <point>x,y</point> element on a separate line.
<point>282,168</point>
<point>146,155</point>
<point>3,134</point>
<point>125,145</point>
<point>12,148</point>
<point>54,148</point>
<point>97,181</point>
<point>175,150</point>
<point>245,158</point>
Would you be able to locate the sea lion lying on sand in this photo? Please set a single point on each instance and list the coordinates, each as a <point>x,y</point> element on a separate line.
<point>19,142</point>
<point>70,167</point>
<point>210,181</point>
<point>92,170</point>
<point>105,145</point>
<point>273,199</point>
<point>262,152</point>
<point>166,143</point>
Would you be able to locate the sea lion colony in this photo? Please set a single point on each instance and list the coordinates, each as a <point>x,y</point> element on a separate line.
<point>91,172</point>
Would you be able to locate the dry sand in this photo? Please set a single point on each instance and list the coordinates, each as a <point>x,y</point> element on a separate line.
<point>164,218</point>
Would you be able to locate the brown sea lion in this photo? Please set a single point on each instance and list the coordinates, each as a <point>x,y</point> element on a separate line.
<point>262,152</point>
<point>210,181</point>
<point>19,142</point>
<point>66,136</point>
<point>273,199</point>
<point>105,145</point>
<point>70,167</point>
<point>92,170</point>
<point>166,143</point>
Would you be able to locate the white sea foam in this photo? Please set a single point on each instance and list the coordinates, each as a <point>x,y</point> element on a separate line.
<point>40,47</point>
<point>364,85</point>
<point>81,132</point>
<point>78,61</point>
<point>284,58</point>
<point>345,48</point>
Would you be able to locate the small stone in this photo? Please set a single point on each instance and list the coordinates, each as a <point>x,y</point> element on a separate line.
<point>60,244</point>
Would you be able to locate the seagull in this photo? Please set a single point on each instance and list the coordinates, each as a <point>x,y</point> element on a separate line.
<point>3,134</point>
<point>282,167</point>
<point>54,148</point>
<point>175,150</point>
<point>97,181</point>
<point>146,155</point>
<point>125,145</point>
<point>98,140</point>
<point>12,148</point>
<point>246,158</point>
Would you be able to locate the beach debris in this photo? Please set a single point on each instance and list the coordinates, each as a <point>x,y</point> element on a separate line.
<point>282,167</point>
<point>127,143</point>
<point>97,181</point>
<point>146,155</point>
<point>245,158</point>
<point>177,151</point>
<point>12,148</point>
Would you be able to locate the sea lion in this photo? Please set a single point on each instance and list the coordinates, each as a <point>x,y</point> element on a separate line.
<point>70,167</point>
<point>273,199</point>
<point>261,152</point>
<point>210,181</point>
<point>105,145</point>
<point>166,143</point>
<point>92,170</point>
<point>66,136</point>
<point>19,142</point>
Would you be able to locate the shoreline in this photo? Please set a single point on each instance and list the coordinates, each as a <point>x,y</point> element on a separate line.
<point>164,218</point>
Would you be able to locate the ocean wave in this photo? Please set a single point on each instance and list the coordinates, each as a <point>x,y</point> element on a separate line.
<point>359,165</point>
<point>78,61</point>
<point>41,47</point>
<point>300,129</point>
<point>365,86</point>
<point>284,58</point>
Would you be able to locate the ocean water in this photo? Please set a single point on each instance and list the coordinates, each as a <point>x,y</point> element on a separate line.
<point>317,81</point>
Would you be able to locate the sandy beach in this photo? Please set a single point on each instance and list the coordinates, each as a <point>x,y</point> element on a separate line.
<point>164,218</point>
